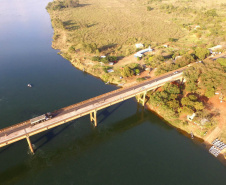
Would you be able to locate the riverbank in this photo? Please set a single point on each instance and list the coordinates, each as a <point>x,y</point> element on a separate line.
<point>80,54</point>
<point>187,130</point>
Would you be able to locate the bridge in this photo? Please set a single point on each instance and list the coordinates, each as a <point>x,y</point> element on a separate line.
<point>90,107</point>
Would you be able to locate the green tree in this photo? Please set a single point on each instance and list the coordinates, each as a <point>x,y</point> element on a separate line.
<point>210,92</point>
<point>127,72</point>
<point>199,106</point>
<point>71,3</point>
<point>171,88</point>
<point>201,53</point>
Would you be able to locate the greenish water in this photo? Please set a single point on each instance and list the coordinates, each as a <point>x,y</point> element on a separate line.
<point>127,147</point>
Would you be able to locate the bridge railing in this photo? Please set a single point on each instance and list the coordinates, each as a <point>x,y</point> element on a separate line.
<point>87,101</point>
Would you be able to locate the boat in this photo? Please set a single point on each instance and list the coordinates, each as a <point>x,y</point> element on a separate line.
<point>29,85</point>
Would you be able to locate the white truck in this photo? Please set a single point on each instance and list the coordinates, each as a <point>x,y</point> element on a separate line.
<point>41,118</point>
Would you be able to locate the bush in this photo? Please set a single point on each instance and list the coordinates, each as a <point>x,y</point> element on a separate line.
<point>222,61</point>
<point>211,13</point>
<point>71,49</point>
<point>137,71</point>
<point>96,58</point>
<point>127,72</point>
<point>149,8</point>
<point>71,3</point>
<point>172,40</point>
<point>55,5</point>
<point>140,79</point>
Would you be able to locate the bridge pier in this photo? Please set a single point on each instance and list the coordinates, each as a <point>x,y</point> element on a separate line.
<point>142,99</point>
<point>93,117</point>
<point>182,80</point>
<point>29,144</point>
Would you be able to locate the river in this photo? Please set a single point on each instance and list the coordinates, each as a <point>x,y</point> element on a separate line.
<point>129,146</point>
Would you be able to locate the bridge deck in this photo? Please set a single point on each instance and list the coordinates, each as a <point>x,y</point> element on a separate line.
<point>24,129</point>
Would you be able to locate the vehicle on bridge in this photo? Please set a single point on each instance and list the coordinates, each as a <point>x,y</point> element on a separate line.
<point>41,118</point>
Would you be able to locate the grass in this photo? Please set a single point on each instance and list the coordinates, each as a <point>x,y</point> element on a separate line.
<point>116,25</point>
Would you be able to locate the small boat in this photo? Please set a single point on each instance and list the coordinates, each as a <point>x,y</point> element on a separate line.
<point>29,85</point>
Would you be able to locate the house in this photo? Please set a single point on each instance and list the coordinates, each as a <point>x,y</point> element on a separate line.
<point>177,57</point>
<point>191,117</point>
<point>110,70</point>
<point>196,27</point>
<point>140,53</point>
<point>139,45</point>
<point>215,48</point>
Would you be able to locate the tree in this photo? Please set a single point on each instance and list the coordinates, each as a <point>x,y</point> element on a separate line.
<point>171,88</point>
<point>71,3</point>
<point>185,110</point>
<point>201,53</point>
<point>174,104</point>
<point>192,97</point>
<point>127,72</point>
<point>199,106</point>
<point>210,92</point>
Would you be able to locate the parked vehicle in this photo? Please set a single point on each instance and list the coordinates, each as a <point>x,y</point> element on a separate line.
<point>41,118</point>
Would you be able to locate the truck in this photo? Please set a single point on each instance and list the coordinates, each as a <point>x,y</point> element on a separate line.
<point>41,118</point>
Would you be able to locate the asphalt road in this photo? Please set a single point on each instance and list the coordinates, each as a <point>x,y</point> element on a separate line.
<point>16,131</point>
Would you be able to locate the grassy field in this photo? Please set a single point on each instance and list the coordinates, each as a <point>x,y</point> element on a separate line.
<point>115,26</point>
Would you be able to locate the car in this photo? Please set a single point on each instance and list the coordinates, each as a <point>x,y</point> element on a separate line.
<point>175,72</point>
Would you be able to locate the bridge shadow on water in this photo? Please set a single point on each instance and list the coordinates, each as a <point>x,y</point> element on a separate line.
<point>50,135</point>
<point>53,133</point>
<point>74,148</point>
<point>107,112</point>
<point>6,148</point>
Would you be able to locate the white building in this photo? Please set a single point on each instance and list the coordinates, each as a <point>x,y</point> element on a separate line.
<point>140,53</point>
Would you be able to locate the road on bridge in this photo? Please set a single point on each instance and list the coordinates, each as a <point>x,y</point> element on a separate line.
<point>16,133</point>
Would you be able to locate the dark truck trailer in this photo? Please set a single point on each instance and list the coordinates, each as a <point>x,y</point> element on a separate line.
<point>41,118</point>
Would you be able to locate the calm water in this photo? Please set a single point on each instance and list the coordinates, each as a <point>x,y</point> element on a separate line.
<point>128,147</point>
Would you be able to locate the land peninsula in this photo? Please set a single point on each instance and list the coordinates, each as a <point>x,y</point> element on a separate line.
<point>104,38</point>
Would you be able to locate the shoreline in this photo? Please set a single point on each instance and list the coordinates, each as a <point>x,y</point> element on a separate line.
<point>196,138</point>
<point>82,62</point>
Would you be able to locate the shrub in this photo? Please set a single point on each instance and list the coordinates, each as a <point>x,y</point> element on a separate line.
<point>222,61</point>
<point>127,72</point>
<point>137,71</point>
<point>96,58</point>
<point>71,49</point>
<point>211,13</point>
<point>140,79</point>
<point>149,8</point>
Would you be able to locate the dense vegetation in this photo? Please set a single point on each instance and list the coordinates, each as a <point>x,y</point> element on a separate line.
<point>207,78</point>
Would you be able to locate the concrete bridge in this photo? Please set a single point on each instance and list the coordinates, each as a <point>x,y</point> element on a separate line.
<point>91,106</point>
